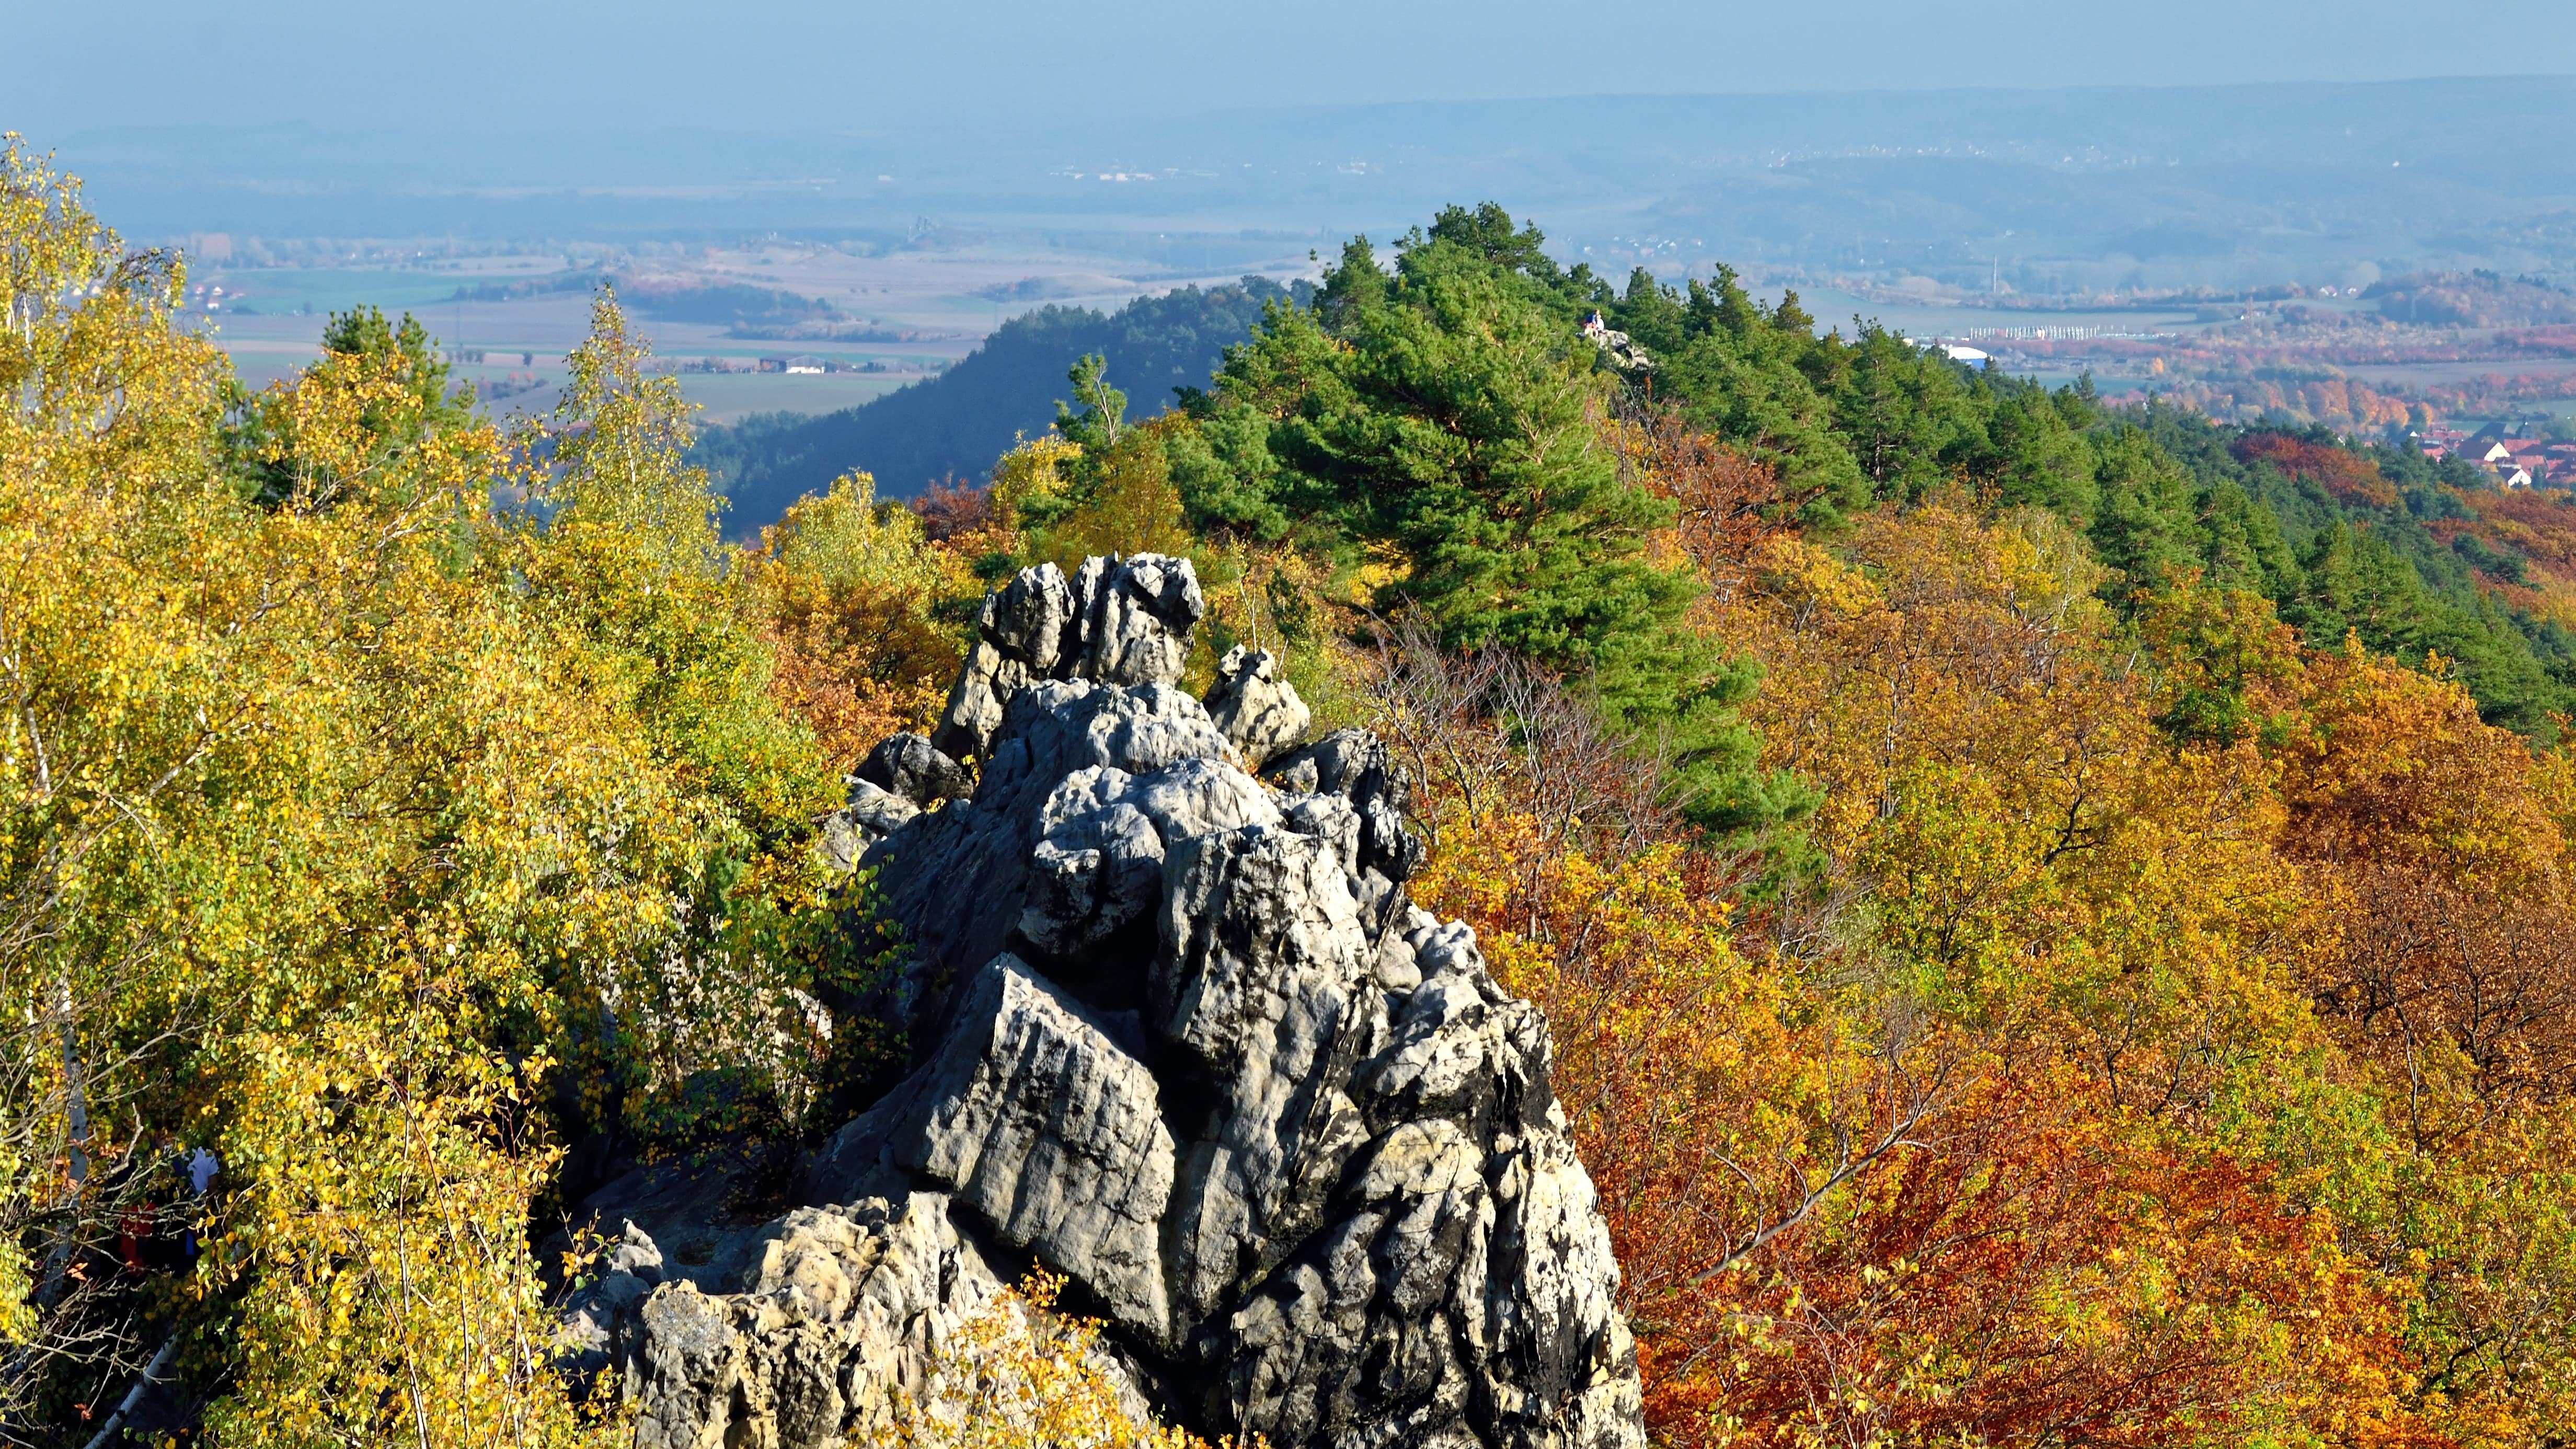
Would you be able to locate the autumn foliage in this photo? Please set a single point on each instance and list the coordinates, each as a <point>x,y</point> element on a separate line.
<point>2349,478</point>
<point>1999,1001</point>
<point>2079,1077</point>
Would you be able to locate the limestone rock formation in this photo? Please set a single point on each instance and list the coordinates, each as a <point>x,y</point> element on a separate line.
<point>910,767</point>
<point>1118,621</point>
<point>1182,1038</point>
<point>1256,709</point>
<point>1617,349</point>
<point>834,1312</point>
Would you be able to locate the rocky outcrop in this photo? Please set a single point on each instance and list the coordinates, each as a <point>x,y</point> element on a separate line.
<point>1050,1134</point>
<point>1117,621</point>
<point>1181,1038</point>
<point>1254,706</point>
<point>837,1312</point>
<point>911,768</point>
<point>1618,351</point>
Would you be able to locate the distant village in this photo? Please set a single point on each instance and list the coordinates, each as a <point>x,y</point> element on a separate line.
<point>2510,461</point>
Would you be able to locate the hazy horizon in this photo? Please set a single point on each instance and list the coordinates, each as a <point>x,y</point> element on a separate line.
<point>937,173</point>
<point>478,66</point>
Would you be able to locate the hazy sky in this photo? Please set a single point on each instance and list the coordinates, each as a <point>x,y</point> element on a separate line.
<point>508,64</point>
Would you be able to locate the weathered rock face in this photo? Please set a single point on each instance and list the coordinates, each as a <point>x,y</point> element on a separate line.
<point>1183,1040</point>
<point>836,1311</point>
<point>908,766</point>
<point>1256,709</point>
<point>1119,621</point>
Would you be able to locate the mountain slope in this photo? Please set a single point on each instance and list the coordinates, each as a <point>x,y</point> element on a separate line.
<point>957,423</point>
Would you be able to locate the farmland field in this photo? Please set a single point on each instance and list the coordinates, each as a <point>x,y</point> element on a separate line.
<point>925,309</point>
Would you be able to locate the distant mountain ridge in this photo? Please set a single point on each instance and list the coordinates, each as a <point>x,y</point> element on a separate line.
<point>956,424</point>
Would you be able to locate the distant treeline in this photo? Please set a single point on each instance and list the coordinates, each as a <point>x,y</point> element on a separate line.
<point>956,424</point>
<point>667,299</point>
<point>2474,299</point>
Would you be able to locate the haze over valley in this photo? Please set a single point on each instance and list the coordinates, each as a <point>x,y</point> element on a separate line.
<point>2230,245</point>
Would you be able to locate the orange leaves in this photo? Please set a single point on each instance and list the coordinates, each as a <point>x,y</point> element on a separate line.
<point>2439,840</point>
<point>2009,1119</point>
<point>2392,763</point>
<point>848,591</point>
<point>2036,1271</point>
<point>1726,502</point>
<point>858,662</point>
<point>1937,639</point>
<point>2344,474</point>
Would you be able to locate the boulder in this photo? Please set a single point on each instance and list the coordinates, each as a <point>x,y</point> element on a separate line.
<point>1136,615</point>
<point>958,878</point>
<point>840,1311</point>
<point>1035,1120</point>
<point>910,767</point>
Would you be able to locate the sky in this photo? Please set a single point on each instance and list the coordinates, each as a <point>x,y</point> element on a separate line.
<point>493,65</point>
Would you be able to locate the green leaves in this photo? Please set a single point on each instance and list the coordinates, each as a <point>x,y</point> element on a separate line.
<point>1451,419</point>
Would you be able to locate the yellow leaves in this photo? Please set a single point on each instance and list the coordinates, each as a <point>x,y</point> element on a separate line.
<point>1033,471</point>
<point>2131,889</point>
<point>845,536</point>
<point>313,792</point>
<point>419,1312</point>
<point>850,594</point>
<point>2391,762</point>
<point>1805,579</point>
<point>1018,1375</point>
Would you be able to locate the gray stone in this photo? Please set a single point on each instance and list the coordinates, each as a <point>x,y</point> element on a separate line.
<point>1203,796</point>
<point>841,841</point>
<point>1460,1049</point>
<point>1315,1180</point>
<point>909,766</point>
<point>1136,616</point>
<point>986,681</point>
<point>957,879</point>
<point>1099,867</point>
<point>1031,618</point>
<point>879,812</point>
<point>1564,1367</point>
<point>841,1313</point>
<point>1358,766</point>
<point>1263,982</point>
<point>1091,877</point>
<point>1259,711</point>
<point>1032,1116</point>
<point>1398,972</point>
<point>1365,1331</point>
<point>1329,818</point>
<point>636,1256</point>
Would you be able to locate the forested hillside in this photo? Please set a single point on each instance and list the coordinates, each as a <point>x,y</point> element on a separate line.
<point>953,426</point>
<point>2054,923</point>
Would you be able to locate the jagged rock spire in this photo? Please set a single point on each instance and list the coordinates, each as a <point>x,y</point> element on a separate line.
<point>1183,1039</point>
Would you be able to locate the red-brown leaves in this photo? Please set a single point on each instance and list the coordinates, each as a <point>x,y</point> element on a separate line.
<point>1727,502</point>
<point>2344,474</point>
